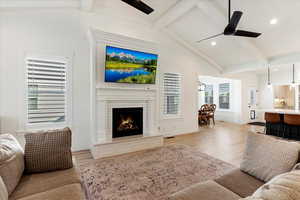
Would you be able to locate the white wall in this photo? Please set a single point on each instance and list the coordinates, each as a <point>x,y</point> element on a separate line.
<point>234,113</point>
<point>44,32</point>
<point>64,32</point>
<point>281,77</point>
<point>248,80</point>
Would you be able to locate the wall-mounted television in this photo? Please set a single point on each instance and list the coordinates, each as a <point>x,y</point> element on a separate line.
<point>128,66</point>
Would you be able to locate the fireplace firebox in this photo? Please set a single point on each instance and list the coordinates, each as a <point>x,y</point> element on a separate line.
<point>127,122</point>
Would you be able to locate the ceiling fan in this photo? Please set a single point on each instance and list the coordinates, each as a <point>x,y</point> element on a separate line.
<point>141,6</point>
<point>231,28</point>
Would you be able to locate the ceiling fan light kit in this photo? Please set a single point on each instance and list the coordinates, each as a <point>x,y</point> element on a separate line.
<point>231,28</point>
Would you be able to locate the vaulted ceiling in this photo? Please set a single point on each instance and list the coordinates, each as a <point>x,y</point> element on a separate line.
<point>191,20</point>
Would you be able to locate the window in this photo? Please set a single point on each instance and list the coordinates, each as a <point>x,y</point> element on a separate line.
<point>46,91</point>
<point>172,93</point>
<point>209,94</point>
<point>224,97</point>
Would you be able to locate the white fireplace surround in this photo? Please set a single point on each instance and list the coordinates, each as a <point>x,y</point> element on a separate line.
<point>107,103</point>
<point>106,96</point>
<point>107,99</point>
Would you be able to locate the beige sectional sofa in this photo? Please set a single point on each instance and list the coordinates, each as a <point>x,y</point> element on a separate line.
<point>268,166</point>
<point>40,169</point>
<point>56,185</point>
<point>233,186</point>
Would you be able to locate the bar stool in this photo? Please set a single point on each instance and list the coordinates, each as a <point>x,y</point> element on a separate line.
<point>273,120</point>
<point>291,122</point>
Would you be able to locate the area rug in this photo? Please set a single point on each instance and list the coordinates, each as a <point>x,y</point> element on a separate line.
<point>149,175</point>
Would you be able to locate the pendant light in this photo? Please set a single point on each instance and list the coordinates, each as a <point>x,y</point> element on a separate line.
<point>293,81</point>
<point>202,86</point>
<point>269,79</point>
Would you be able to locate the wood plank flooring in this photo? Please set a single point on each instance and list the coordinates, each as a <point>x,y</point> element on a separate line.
<point>224,141</point>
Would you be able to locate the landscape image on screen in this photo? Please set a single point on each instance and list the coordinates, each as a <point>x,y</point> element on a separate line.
<point>128,66</point>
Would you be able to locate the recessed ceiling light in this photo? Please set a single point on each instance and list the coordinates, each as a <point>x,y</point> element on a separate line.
<point>273,21</point>
<point>213,43</point>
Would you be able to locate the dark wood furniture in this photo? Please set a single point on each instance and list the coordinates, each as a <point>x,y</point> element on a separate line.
<point>202,115</point>
<point>283,125</point>
<point>211,112</point>
<point>273,124</point>
<point>291,126</point>
<point>206,113</point>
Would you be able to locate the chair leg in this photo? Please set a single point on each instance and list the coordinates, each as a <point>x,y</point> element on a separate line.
<point>214,120</point>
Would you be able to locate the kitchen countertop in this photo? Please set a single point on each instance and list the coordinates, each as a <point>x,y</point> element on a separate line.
<point>280,111</point>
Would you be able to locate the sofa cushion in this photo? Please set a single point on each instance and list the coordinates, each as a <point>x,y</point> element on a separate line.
<point>67,192</point>
<point>11,161</point>
<point>283,187</point>
<point>37,183</point>
<point>48,151</point>
<point>240,183</point>
<point>208,190</point>
<point>3,190</point>
<point>266,157</point>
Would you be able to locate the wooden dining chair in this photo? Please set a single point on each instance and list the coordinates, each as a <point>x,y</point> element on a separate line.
<point>203,114</point>
<point>211,112</point>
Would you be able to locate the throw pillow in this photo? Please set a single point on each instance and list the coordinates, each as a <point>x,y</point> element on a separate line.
<point>48,151</point>
<point>3,190</point>
<point>266,157</point>
<point>283,187</point>
<point>11,161</point>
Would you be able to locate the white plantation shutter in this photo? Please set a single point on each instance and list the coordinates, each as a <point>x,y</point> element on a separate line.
<point>171,93</point>
<point>46,91</point>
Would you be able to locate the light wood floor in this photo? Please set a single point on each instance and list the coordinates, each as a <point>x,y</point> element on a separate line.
<point>224,141</point>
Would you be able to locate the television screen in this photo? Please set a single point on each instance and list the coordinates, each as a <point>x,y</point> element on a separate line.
<point>128,66</point>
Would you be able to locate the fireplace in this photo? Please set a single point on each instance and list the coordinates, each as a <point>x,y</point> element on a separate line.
<point>127,122</point>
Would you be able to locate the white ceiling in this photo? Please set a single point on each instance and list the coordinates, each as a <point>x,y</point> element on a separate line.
<point>279,69</point>
<point>209,17</point>
<point>117,6</point>
<point>192,20</point>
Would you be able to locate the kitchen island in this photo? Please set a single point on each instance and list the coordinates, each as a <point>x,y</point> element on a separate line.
<point>288,126</point>
<point>280,111</point>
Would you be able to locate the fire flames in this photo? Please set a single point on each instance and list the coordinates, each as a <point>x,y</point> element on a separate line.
<point>127,123</point>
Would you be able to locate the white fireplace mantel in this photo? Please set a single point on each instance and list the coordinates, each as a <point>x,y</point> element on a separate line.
<point>104,144</point>
<point>107,103</point>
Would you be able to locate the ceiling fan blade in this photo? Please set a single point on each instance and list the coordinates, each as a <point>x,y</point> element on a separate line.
<point>235,19</point>
<point>246,34</point>
<point>211,37</point>
<point>140,6</point>
<point>233,23</point>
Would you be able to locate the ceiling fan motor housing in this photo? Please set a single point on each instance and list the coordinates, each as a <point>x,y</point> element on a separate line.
<point>229,30</point>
